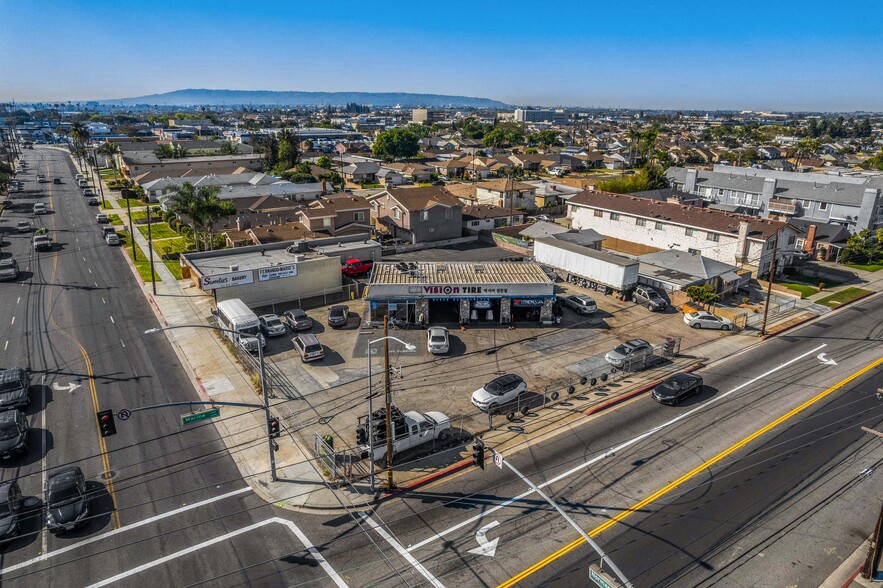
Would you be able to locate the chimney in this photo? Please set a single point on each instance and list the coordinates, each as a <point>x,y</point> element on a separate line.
<point>769,189</point>
<point>690,183</point>
<point>742,243</point>
<point>809,244</point>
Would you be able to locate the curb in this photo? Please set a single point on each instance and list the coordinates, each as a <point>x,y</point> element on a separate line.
<point>629,395</point>
<point>852,577</point>
<point>789,327</point>
<point>835,309</point>
<point>451,469</point>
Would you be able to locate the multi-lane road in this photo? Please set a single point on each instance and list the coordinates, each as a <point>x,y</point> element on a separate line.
<point>765,479</point>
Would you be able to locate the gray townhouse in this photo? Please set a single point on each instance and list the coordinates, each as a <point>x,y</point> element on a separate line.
<point>851,201</point>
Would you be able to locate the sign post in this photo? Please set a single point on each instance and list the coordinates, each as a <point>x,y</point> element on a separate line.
<point>601,579</point>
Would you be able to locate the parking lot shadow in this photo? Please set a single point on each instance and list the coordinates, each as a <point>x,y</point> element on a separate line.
<point>331,357</point>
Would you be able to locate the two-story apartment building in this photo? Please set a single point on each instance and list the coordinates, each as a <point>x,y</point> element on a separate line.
<point>655,225</point>
<point>418,215</point>
<point>856,202</point>
<point>138,162</point>
<point>337,214</point>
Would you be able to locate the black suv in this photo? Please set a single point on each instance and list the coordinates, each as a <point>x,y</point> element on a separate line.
<point>337,316</point>
<point>67,504</point>
<point>10,504</point>
<point>13,433</point>
<point>14,387</point>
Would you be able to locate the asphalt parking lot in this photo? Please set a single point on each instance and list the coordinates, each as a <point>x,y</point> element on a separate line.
<point>331,394</point>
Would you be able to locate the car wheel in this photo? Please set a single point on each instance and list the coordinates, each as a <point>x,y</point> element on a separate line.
<point>650,307</point>
<point>696,326</point>
<point>444,436</point>
<point>725,327</point>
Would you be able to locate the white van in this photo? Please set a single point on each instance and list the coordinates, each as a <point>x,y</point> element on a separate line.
<point>235,315</point>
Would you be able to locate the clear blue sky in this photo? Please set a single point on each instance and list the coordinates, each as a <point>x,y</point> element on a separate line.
<point>646,54</point>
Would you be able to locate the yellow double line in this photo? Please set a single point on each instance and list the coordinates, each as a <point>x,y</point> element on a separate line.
<point>692,473</point>
<point>102,445</point>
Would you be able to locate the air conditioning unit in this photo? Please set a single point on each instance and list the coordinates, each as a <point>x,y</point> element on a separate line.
<point>234,268</point>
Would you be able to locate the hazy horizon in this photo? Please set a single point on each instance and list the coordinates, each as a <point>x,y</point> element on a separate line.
<point>688,55</point>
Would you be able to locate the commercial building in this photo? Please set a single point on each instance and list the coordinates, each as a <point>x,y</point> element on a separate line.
<point>460,292</point>
<point>550,116</point>
<point>419,115</point>
<point>263,275</point>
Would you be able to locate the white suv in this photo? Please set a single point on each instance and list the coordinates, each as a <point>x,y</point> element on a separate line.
<point>498,392</point>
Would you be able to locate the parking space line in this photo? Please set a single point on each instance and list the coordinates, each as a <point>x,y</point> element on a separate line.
<point>402,551</point>
<point>612,451</point>
<point>294,529</point>
<point>119,530</point>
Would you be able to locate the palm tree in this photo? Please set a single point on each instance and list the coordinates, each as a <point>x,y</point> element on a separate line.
<point>200,208</point>
<point>109,151</point>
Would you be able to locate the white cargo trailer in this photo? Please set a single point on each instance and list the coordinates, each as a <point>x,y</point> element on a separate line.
<point>593,269</point>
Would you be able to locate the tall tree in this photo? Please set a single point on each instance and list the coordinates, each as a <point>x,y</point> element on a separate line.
<point>395,143</point>
<point>200,208</point>
<point>109,151</point>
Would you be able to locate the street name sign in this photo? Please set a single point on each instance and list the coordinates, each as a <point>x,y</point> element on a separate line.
<point>200,415</point>
<point>600,578</point>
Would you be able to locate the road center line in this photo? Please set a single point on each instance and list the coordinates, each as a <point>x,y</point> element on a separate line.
<point>294,529</point>
<point>13,321</point>
<point>613,451</point>
<point>109,534</point>
<point>111,319</point>
<point>705,465</point>
<point>402,551</point>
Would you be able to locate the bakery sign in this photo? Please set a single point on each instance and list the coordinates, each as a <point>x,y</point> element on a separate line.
<point>226,280</point>
<point>277,272</point>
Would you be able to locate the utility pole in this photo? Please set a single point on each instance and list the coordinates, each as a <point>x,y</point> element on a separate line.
<point>769,289</point>
<point>388,389</point>
<point>870,567</point>
<point>149,247</point>
<point>131,228</point>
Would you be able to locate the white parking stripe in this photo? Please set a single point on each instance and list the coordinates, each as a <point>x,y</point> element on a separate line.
<point>402,551</point>
<point>303,539</point>
<point>610,452</point>
<point>109,534</point>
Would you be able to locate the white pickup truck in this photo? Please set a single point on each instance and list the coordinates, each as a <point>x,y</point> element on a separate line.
<point>411,429</point>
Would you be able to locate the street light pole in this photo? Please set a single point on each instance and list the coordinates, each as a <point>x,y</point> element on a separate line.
<point>409,347</point>
<point>390,433</point>
<point>265,404</point>
<point>149,247</point>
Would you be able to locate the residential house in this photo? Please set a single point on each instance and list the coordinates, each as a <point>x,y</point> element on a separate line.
<point>452,168</point>
<point>769,152</point>
<point>390,177</point>
<point>337,214</point>
<point>418,215</point>
<point>821,241</point>
<point>672,270</point>
<point>416,172</point>
<point>551,193</point>
<point>506,193</point>
<point>134,163</point>
<point>614,161</point>
<point>485,217</point>
<point>640,225</point>
<point>362,172</point>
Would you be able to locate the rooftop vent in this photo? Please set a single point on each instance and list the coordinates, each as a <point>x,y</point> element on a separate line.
<point>234,268</point>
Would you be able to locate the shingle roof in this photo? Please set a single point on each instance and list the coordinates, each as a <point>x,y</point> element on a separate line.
<point>503,184</point>
<point>688,216</point>
<point>478,211</point>
<point>694,265</point>
<point>414,199</point>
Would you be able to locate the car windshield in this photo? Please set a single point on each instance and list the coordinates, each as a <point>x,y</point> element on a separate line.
<point>437,338</point>
<point>313,348</point>
<point>249,331</point>
<point>10,384</point>
<point>336,312</point>
<point>624,349</point>
<point>653,294</point>
<point>298,314</point>
<point>9,431</point>
<point>4,509</point>
<point>273,322</point>
<point>65,495</point>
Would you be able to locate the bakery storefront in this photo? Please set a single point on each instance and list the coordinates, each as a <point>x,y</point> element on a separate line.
<point>460,292</point>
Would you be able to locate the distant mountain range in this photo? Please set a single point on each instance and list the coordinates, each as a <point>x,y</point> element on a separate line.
<point>197,97</point>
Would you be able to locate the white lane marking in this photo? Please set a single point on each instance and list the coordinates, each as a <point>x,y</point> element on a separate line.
<point>294,529</point>
<point>84,259</point>
<point>610,452</point>
<point>90,270</point>
<point>44,462</point>
<point>103,301</point>
<point>7,345</point>
<point>109,534</point>
<point>122,343</point>
<point>402,551</point>
<point>13,321</point>
<point>96,284</point>
<point>19,300</point>
<point>111,319</point>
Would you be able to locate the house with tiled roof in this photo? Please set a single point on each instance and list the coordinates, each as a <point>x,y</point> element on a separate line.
<point>417,215</point>
<point>641,225</point>
<point>337,214</point>
<point>416,172</point>
<point>506,193</point>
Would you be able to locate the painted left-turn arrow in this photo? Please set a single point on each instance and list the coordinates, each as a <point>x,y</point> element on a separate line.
<point>485,547</point>
<point>823,357</point>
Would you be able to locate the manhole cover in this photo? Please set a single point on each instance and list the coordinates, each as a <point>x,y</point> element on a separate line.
<point>108,475</point>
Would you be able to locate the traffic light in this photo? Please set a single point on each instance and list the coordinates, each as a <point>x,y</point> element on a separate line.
<point>106,424</point>
<point>478,454</point>
<point>361,435</point>
<point>273,427</point>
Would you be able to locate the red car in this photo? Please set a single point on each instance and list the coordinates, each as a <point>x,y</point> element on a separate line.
<point>356,267</point>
